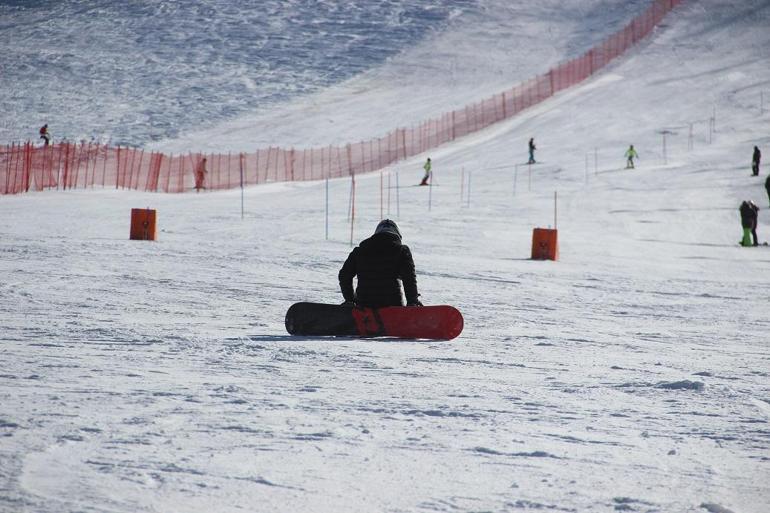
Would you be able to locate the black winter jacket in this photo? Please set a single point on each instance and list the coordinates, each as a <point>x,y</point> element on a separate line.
<point>381,263</point>
<point>749,214</point>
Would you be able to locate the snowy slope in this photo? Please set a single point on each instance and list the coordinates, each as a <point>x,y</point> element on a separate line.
<point>631,375</point>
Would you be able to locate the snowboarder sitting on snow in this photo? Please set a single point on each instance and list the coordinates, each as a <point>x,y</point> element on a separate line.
<point>427,167</point>
<point>749,214</point>
<point>45,134</point>
<point>531,150</point>
<point>382,263</point>
<point>630,155</point>
<point>755,158</point>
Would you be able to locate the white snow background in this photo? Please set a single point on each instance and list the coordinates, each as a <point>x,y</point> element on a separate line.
<point>630,375</point>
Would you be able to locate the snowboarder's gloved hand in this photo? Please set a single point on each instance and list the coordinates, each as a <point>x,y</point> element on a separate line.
<point>416,302</point>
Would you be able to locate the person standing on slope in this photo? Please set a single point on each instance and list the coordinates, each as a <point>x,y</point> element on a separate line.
<point>383,264</point>
<point>630,156</point>
<point>755,158</point>
<point>200,175</point>
<point>749,214</point>
<point>532,149</point>
<point>767,187</point>
<point>427,167</point>
<point>45,135</point>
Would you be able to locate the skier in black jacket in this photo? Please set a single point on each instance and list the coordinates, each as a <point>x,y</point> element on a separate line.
<point>749,214</point>
<point>755,158</point>
<point>382,264</point>
<point>767,186</point>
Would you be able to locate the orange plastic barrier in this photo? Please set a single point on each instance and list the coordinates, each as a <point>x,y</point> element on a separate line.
<point>142,224</point>
<point>545,244</point>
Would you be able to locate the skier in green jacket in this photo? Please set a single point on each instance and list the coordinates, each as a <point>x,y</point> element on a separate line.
<point>427,168</point>
<point>630,156</point>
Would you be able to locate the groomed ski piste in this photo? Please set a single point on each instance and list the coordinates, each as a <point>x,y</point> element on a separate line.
<point>632,374</point>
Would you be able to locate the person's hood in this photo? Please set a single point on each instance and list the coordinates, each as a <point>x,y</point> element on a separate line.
<point>388,226</point>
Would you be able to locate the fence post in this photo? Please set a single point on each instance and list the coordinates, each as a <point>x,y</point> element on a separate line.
<point>291,165</point>
<point>327,208</point>
<point>27,165</point>
<point>65,178</point>
<point>240,165</point>
<point>550,78</point>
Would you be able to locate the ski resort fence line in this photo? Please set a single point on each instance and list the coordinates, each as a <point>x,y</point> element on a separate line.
<point>26,166</point>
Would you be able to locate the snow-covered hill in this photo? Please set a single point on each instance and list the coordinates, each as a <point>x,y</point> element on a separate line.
<point>631,375</point>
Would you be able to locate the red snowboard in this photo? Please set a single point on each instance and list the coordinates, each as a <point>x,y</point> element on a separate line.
<point>441,322</point>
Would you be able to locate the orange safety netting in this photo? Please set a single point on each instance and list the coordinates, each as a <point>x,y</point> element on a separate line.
<point>25,167</point>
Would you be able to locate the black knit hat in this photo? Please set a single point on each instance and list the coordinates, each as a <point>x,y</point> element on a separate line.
<point>386,225</point>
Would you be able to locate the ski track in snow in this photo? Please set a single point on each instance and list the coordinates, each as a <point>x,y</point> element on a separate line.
<point>631,375</point>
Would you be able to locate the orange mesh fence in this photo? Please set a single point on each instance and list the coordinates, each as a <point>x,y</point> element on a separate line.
<point>25,167</point>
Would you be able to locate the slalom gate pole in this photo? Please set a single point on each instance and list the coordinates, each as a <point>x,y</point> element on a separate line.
<point>554,209</point>
<point>515,177</point>
<point>586,167</point>
<point>596,161</point>
<point>430,191</point>
<point>470,173</point>
<point>398,198</point>
<point>529,166</point>
<point>381,196</point>
<point>462,185</point>
<point>388,192</point>
<point>350,198</point>
<point>327,208</point>
<point>352,206</point>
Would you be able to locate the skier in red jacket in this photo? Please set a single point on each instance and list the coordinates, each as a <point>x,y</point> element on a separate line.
<point>45,134</point>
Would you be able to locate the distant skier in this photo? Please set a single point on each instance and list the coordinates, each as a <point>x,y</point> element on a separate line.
<point>631,154</point>
<point>382,264</point>
<point>200,175</point>
<point>767,187</point>
<point>749,214</point>
<point>532,149</point>
<point>755,158</point>
<point>427,167</point>
<point>45,135</point>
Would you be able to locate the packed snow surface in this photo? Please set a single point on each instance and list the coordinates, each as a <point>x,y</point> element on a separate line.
<point>632,374</point>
